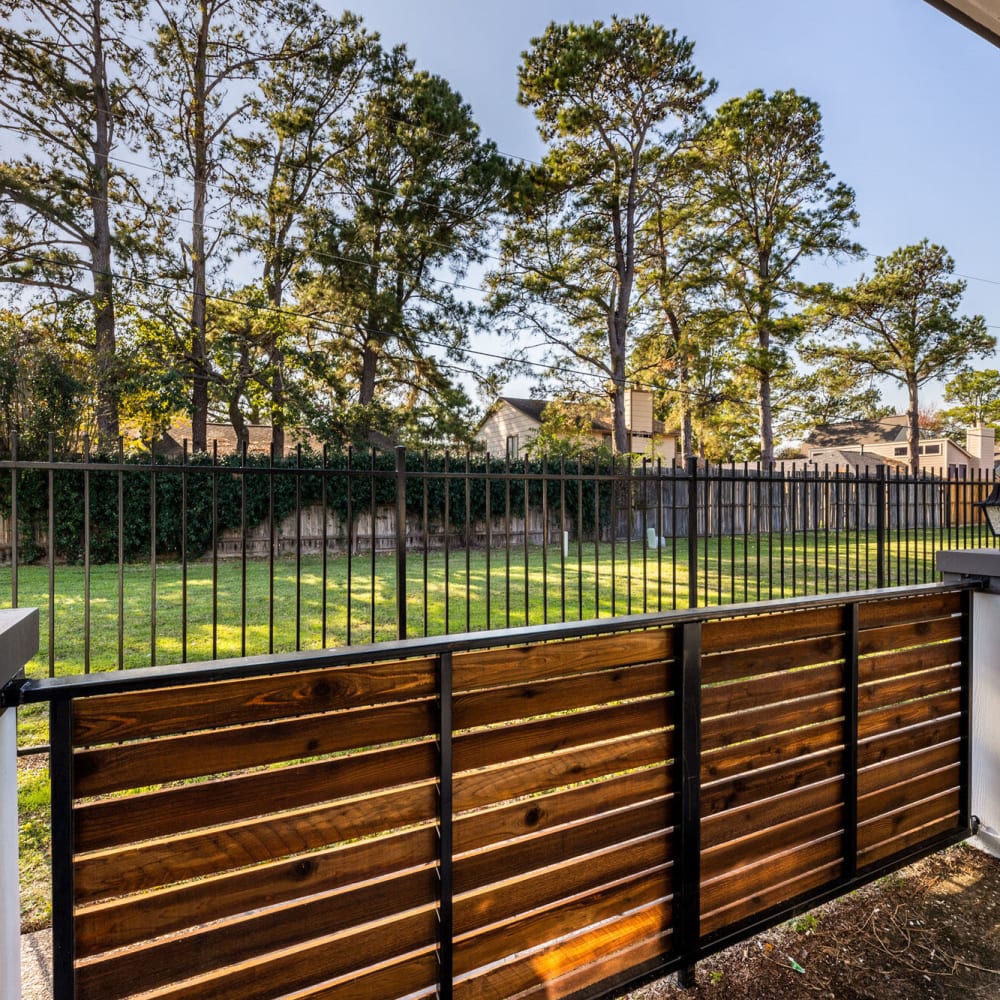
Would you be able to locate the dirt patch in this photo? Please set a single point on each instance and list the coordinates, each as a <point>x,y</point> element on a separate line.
<point>931,930</point>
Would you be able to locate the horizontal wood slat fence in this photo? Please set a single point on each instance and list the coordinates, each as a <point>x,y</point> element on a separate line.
<point>534,813</point>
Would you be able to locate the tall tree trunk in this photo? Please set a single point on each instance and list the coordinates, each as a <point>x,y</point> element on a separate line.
<point>105,366</point>
<point>617,337</point>
<point>199,339</point>
<point>683,375</point>
<point>913,425</point>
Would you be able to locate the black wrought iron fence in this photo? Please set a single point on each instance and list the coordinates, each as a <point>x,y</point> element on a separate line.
<point>153,559</point>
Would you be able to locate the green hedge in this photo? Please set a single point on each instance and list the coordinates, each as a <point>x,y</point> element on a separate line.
<point>354,481</point>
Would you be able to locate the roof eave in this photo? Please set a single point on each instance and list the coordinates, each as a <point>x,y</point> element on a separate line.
<point>975,15</point>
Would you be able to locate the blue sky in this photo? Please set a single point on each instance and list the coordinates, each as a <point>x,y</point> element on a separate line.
<point>909,101</point>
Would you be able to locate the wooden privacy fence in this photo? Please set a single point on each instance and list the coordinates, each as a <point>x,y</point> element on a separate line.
<point>544,812</point>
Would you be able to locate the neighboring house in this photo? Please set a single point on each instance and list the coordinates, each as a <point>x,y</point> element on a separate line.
<point>511,424</point>
<point>884,442</point>
<point>258,443</point>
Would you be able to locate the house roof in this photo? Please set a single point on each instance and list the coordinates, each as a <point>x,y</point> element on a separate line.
<point>855,432</point>
<point>535,408</point>
<point>258,438</point>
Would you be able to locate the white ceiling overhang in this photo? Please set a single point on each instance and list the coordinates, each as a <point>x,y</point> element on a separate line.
<point>981,16</point>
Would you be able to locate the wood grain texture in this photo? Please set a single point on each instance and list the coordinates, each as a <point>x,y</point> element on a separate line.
<point>568,916</point>
<point>729,761</point>
<point>896,743</point>
<point>251,937</point>
<point>909,713</point>
<point>902,610</point>
<point>289,969</point>
<point>134,869</point>
<point>517,858</point>
<point>176,758</point>
<point>587,873</point>
<point>540,813</point>
<point>760,786</point>
<point>908,661</point>
<point>720,668</point>
<point>892,637</point>
<point>560,969</point>
<point>489,707</point>
<point>754,724</point>
<point>884,775</point>
<point>771,629</point>
<point>126,920</point>
<point>725,826</point>
<point>472,671</point>
<point>767,691</point>
<point>132,818</point>
<point>187,708</point>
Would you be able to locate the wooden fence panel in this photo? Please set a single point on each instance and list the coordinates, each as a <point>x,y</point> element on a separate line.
<point>283,833</point>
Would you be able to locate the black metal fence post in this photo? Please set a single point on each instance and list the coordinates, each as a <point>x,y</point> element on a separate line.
<point>63,889</point>
<point>400,541</point>
<point>692,532</point>
<point>881,535</point>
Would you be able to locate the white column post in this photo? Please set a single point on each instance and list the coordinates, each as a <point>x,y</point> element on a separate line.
<point>18,643</point>
<point>983,564</point>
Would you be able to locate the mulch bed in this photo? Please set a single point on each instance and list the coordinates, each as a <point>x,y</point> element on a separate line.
<point>930,930</point>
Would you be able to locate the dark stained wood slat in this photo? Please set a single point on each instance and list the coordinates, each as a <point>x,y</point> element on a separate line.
<point>898,796</point>
<point>890,692</point>
<point>169,711</point>
<point>489,707</point>
<point>124,921</point>
<point>568,916</point>
<point>769,873</point>
<point>176,758</point>
<point>765,784</point>
<point>911,713</point>
<point>896,743</point>
<point>884,775</point>
<point>517,858</point>
<point>775,839</point>
<point>771,629</point>
<point>771,720</point>
<point>587,873</point>
<point>162,862</point>
<point>472,671</point>
<point>919,835</point>
<point>534,815</point>
<point>528,739</point>
<point>887,665</point>
<point>565,967</point>
<point>911,817</point>
<point>877,640</point>
<point>732,760</point>
<point>761,692</point>
<point>248,938</point>
<point>284,971</point>
<point>903,610</point>
<point>477,789</point>
<point>723,827</point>
<point>414,976</point>
<point>127,819</point>
<point>760,901</point>
<point>719,668</point>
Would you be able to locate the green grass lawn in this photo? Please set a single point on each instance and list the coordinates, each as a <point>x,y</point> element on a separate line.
<point>286,610</point>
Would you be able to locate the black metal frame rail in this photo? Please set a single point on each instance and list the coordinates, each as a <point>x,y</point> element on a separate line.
<point>689,947</point>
